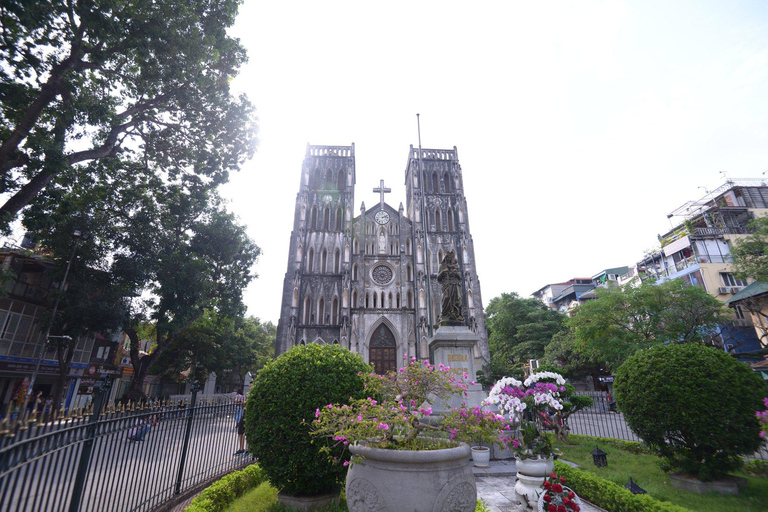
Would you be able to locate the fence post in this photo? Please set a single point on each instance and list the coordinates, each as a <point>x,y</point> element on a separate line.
<point>195,389</point>
<point>85,454</point>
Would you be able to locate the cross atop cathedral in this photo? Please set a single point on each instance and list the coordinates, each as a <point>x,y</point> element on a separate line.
<point>381,190</point>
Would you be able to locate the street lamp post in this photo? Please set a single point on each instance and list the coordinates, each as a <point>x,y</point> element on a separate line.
<point>79,236</point>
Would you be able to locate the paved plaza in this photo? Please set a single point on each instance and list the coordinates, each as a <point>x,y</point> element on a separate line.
<point>496,487</point>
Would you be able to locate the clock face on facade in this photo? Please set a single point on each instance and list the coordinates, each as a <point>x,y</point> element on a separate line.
<point>381,217</point>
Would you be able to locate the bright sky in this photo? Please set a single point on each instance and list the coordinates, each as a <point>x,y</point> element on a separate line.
<point>579,125</point>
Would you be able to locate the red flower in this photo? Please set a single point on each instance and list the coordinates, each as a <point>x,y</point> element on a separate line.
<point>571,494</point>
<point>561,508</point>
<point>552,475</point>
<point>557,488</point>
<point>566,500</point>
<point>562,479</point>
<point>547,498</point>
<point>577,508</point>
<point>547,485</point>
<point>551,508</point>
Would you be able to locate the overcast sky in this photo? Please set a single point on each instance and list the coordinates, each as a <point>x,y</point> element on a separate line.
<point>579,125</point>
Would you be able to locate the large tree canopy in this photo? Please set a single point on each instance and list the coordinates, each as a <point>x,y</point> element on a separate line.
<point>625,319</point>
<point>520,329</point>
<point>140,81</point>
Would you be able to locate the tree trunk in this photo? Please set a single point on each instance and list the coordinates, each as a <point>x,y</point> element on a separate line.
<point>140,367</point>
<point>64,355</point>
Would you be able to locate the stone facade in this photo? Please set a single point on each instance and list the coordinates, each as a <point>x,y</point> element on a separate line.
<point>369,282</point>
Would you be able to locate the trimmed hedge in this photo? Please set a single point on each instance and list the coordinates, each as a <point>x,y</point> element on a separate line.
<point>609,495</point>
<point>220,494</point>
<point>281,406</point>
<point>693,405</point>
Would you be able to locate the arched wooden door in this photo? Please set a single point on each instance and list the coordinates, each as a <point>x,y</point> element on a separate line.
<point>383,350</point>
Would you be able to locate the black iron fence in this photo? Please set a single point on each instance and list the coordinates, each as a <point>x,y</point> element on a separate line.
<point>117,457</point>
<point>603,419</point>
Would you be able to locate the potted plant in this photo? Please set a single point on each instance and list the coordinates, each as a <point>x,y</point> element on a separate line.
<point>478,427</point>
<point>530,404</point>
<point>557,497</point>
<point>404,459</point>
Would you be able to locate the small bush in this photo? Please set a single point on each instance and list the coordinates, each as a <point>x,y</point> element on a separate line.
<point>224,491</point>
<point>281,406</point>
<point>608,495</point>
<point>693,405</point>
<point>757,467</point>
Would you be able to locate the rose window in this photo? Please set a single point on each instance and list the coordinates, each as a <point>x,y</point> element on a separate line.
<point>382,274</point>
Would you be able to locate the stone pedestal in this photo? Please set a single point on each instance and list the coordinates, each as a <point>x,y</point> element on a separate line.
<point>454,346</point>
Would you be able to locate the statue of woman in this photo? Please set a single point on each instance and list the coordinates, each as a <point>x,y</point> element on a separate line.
<point>449,278</point>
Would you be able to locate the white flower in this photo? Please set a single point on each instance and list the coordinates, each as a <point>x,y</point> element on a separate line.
<point>536,377</point>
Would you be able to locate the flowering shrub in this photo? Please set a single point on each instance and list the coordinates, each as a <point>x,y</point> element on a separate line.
<point>763,417</point>
<point>558,498</point>
<point>396,419</point>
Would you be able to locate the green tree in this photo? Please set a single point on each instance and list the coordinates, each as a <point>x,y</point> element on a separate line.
<point>226,346</point>
<point>750,254</point>
<point>142,82</point>
<point>519,329</point>
<point>623,320</point>
<point>565,355</point>
<point>172,239</point>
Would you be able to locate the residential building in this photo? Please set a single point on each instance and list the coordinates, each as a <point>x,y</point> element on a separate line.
<point>698,250</point>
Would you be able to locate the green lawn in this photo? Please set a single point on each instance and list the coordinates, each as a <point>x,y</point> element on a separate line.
<point>644,470</point>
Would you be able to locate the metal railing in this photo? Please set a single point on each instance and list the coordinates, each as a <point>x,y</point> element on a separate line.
<point>603,419</point>
<point>117,458</point>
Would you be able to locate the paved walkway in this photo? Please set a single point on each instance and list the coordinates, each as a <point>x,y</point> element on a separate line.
<point>496,487</point>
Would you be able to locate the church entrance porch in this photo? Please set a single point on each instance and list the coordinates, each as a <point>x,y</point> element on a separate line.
<point>383,350</point>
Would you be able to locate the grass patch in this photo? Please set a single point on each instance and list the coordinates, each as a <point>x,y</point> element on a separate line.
<point>259,499</point>
<point>644,470</point>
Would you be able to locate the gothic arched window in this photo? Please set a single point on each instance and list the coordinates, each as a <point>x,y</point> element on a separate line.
<point>324,261</point>
<point>337,262</point>
<point>408,246</point>
<point>310,259</point>
<point>335,312</point>
<point>320,311</point>
<point>435,183</point>
<point>447,183</point>
<point>338,219</point>
<point>307,310</point>
<point>449,219</point>
<point>326,218</point>
<point>313,219</point>
<point>354,299</point>
<point>410,299</point>
<point>409,272</point>
<point>438,220</point>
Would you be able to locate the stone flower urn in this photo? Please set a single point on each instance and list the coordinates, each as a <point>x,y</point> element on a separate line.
<point>419,481</point>
<point>531,474</point>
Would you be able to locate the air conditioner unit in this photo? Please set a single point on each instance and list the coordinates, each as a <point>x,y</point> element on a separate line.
<point>534,364</point>
<point>736,289</point>
<point>723,289</point>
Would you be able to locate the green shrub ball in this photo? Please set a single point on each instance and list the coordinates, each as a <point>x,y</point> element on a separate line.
<point>281,406</point>
<point>693,405</point>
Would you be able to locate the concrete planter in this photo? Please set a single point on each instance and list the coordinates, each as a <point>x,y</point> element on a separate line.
<point>481,456</point>
<point>418,481</point>
<point>531,474</point>
<point>730,485</point>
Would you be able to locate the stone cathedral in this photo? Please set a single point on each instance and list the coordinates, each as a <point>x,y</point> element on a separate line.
<point>369,282</point>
